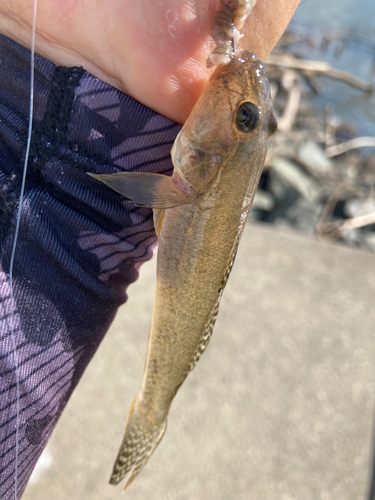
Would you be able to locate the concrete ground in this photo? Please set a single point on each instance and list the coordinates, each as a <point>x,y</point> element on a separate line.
<point>279,408</point>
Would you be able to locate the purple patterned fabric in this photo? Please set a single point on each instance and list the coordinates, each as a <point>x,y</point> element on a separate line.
<point>80,245</point>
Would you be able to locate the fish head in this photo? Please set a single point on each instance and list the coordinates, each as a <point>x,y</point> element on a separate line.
<point>234,116</point>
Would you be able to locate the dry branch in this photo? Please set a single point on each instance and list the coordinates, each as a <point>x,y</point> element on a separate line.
<point>361,221</point>
<point>291,109</point>
<point>343,147</point>
<point>338,227</point>
<point>329,207</point>
<point>319,67</point>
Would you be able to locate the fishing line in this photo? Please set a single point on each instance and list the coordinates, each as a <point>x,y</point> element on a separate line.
<point>18,219</point>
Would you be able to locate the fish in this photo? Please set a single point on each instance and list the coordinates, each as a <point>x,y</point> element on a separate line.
<point>199,213</point>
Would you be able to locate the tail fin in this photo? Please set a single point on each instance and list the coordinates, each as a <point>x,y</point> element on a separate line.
<point>139,442</point>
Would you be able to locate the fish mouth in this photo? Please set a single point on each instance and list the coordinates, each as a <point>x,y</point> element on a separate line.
<point>245,56</point>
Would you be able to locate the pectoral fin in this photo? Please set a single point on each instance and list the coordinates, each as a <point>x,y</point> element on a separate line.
<point>150,190</point>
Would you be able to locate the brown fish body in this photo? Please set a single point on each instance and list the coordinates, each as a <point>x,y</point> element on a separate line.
<point>195,251</point>
<point>199,214</point>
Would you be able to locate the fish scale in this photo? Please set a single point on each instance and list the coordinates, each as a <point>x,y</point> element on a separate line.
<point>200,214</point>
<point>207,333</point>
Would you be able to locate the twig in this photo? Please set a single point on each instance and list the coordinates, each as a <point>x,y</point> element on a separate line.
<point>330,129</point>
<point>329,207</point>
<point>358,142</point>
<point>333,229</point>
<point>319,67</point>
<point>312,81</point>
<point>291,109</point>
<point>361,221</point>
<point>274,90</point>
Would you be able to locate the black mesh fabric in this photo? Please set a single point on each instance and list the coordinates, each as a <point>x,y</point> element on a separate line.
<point>80,245</point>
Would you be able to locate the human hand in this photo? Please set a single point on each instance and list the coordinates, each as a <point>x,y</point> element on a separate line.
<point>154,50</point>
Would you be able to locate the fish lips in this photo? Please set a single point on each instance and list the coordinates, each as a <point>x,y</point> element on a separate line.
<point>245,56</point>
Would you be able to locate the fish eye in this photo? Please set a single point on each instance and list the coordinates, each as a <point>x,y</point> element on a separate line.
<point>247,117</point>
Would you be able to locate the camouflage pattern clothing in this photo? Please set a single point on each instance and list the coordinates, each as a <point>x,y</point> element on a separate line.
<point>80,244</point>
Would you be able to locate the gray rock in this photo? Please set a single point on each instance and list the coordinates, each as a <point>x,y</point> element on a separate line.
<point>356,207</point>
<point>305,215</point>
<point>369,241</point>
<point>353,238</point>
<point>283,192</point>
<point>292,177</point>
<point>313,157</point>
<point>301,215</point>
<point>263,201</point>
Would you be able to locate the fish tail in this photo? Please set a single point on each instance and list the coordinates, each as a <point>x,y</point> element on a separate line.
<point>140,440</point>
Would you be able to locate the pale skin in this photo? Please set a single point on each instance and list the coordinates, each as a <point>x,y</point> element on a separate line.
<point>154,50</point>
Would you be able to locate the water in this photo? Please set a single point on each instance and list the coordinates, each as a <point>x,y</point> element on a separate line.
<point>317,17</point>
<point>334,15</point>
